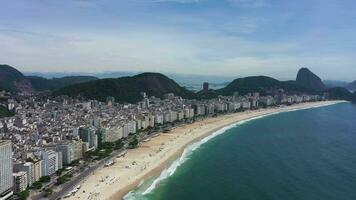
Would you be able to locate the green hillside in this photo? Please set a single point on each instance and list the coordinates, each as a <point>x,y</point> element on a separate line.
<point>341,94</point>
<point>4,112</point>
<point>127,89</point>
<point>261,84</point>
<point>308,79</point>
<point>11,79</point>
<point>41,84</point>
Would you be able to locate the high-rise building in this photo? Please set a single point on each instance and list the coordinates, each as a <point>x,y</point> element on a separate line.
<point>71,151</point>
<point>20,181</point>
<point>59,160</point>
<point>50,161</point>
<point>89,135</point>
<point>6,179</point>
<point>206,86</point>
<point>77,150</point>
<point>66,150</point>
<point>30,170</point>
<point>37,170</point>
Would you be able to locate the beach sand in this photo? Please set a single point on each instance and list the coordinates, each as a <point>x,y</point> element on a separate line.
<point>154,156</point>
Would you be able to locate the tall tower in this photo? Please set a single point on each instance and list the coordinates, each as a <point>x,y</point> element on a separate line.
<point>206,86</point>
<point>6,179</point>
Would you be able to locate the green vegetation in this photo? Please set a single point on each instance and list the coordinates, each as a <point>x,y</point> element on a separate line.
<point>36,185</point>
<point>341,94</point>
<point>261,84</point>
<point>41,84</point>
<point>4,112</point>
<point>210,94</point>
<point>63,179</point>
<point>134,143</point>
<point>45,179</point>
<point>23,195</point>
<point>112,145</point>
<point>8,77</point>
<point>60,171</point>
<point>127,89</point>
<point>47,192</point>
<point>309,80</point>
<point>98,154</point>
<point>104,150</point>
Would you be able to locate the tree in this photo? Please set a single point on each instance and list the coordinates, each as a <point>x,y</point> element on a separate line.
<point>23,195</point>
<point>48,192</point>
<point>45,179</point>
<point>36,185</point>
<point>134,143</point>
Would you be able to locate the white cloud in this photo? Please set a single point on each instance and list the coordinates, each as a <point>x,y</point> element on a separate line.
<point>249,3</point>
<point>172,1</point>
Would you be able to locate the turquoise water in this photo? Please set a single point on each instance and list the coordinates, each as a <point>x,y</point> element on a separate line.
<point>302,155</point>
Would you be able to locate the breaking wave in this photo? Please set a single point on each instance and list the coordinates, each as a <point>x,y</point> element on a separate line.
<point>136,195</point>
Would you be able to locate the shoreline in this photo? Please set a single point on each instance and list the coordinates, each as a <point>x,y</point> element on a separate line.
<point>154,157</point>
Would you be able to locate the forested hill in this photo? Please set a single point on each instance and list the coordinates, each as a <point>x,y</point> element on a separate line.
<point>127,89</point>
<point>41,84</point>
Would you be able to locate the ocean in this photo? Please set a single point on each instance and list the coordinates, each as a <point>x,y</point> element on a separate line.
<point>301,155</point>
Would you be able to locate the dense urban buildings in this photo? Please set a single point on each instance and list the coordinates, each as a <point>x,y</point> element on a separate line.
<point>47,135</point>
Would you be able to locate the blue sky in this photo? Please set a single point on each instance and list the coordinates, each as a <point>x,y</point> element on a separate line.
<point>212,37</point>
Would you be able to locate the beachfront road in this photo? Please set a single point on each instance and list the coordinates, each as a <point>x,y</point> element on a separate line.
<point>69,186</point>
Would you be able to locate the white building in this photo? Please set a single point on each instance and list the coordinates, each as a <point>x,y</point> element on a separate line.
<point>112,134</point>
<point>6,179</point>
<point>37,168</point>
<point>159,118</point>
<point>20,181</point>
<point>50,161</point>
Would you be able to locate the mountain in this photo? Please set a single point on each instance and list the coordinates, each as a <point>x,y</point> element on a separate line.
<point>261,84</point>
<point>41,84</point>
<point>210,94</point>
<point>127,89</point>
<point>13,80</point>
<point>309,80</point>
<point>333,83</point>
<point>341,94</point>
<point>351,86</point>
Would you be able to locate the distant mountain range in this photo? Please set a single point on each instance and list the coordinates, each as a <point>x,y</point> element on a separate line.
<point>262,84</point>
<point>41,84</point>
<point>13,80</point>
<point>128,88</point>
<point>335,83</point>
<point>183,79</point>
<point>351,86</point>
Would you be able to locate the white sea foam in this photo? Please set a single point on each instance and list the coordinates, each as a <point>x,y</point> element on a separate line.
<point>192,147</point>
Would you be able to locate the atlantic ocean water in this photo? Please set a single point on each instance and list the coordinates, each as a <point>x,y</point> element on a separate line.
<point>302,155</point>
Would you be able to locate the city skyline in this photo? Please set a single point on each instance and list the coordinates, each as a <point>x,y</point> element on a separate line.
<point>227,38</point>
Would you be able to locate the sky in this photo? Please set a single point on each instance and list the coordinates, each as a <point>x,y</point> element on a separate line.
<point>206,37</point>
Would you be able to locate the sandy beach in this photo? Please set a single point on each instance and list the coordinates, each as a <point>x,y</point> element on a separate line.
<point>154,155</point>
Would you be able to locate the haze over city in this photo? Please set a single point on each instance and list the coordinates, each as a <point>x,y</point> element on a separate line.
<point>209,37</point>
<point>177,99</point>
